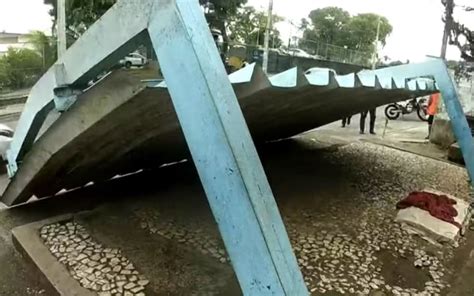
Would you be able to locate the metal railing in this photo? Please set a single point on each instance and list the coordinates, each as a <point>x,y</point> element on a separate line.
<point>336,53</point>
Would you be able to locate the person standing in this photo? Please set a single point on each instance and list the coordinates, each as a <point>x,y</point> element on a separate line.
<point>363,116</point>
<point>346,120</point>
<point>432,110</point>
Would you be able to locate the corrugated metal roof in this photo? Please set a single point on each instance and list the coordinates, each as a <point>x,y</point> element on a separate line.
<point>121,125</point>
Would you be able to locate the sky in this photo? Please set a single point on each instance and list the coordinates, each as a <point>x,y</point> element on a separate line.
<point>23,16</point>
<point>417,25</point>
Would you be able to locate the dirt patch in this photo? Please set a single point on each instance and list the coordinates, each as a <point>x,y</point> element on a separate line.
<point>400,271</point>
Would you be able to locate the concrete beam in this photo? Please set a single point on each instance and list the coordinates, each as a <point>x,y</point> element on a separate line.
<point>223,152</point>
<point>114,36</point>
<point>48,151</point>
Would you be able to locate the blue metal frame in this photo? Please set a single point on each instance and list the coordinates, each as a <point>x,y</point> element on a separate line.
<point>79,65</point>
<point>223,152</point>
<point>436,68</point>
<point>215,130</point>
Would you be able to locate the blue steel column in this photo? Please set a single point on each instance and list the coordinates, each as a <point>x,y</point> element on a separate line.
<point>223,151</point>
<point>437,68</point>
<point>456,114</point>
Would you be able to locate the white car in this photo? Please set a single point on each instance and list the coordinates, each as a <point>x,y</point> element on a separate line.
<point>319,70</point>
<point>133,59</point>
<point>6,136</point>
<point>297,52</point>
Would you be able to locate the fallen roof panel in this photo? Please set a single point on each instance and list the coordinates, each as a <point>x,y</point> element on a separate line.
<point>120,125</point>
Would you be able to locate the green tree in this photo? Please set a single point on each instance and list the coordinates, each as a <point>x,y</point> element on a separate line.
<point>20,68</point>
<point>361,32</point>
<point>460,35</point>
<point>248,27</point>
<point>219,13</point>
<point>81,14</point>
<point>327,24</point>
<point>45,46</point>
<point>3,74</point>
<point>333,25</point>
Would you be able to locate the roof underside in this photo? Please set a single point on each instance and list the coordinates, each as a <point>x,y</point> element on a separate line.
<point>121,125</point>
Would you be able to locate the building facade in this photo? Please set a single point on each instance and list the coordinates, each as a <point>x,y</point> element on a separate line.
<point>14,40</point>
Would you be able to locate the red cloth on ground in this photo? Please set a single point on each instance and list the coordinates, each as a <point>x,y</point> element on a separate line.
<point>439,206</point>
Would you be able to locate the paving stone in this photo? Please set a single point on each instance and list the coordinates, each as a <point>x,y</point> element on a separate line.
<point>137,289</point>
<point>120,283</point>
<point>95,257</point>
<point>114,261</point>
<point>129,286</point>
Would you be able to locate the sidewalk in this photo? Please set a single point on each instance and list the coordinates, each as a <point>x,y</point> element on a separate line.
<point>406,134</point>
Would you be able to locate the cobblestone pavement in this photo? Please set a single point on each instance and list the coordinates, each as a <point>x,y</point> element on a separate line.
<point>338,205</point>
<point>97,268</point>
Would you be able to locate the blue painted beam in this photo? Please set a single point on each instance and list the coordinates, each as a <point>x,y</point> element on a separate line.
<point>119,31</point>
<point>437,69</point>
<point>223,152</point>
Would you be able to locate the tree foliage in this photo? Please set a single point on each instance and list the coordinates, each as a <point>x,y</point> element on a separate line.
<point>219,13</point>
<point>248,26</point>
<point>335,26</point>
<point>45,46</point>
<point>459,34</point>
<point>81,14</point>
<point>19,68</point>
<point>328,24</point>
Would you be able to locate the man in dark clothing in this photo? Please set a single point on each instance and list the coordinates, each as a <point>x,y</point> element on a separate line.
<point>346,120</point>
<point>363,115</point>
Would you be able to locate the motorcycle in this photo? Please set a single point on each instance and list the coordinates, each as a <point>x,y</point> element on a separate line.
<point>393,111</point>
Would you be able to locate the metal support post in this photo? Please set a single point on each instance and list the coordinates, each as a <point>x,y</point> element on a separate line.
<point>267,36</point>
<point>61,7</point>
<point>223,151</point>
<point>448,18</point>
<point>437,69</point>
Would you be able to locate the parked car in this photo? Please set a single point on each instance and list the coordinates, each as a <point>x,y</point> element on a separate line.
<point>298,52</point>
<point>6,136</point>
<point>319,70</point>
<point>133,59</point>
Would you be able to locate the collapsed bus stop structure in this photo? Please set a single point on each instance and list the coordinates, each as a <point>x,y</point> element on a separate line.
<point>122,124</point>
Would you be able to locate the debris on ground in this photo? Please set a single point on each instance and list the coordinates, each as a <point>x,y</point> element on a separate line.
<point>435,216</point>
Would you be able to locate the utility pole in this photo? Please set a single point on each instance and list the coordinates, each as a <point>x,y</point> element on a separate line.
<point>449,4</point>
<point>376,45</point>
<point>44,57</point>
<point>61,7</point>
<point>267,35</point>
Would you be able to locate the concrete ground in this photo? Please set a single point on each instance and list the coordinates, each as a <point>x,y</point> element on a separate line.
<point>336,191</point>
<point>407,133</point>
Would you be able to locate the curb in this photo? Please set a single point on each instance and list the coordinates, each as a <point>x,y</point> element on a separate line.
<point>27,241</point>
